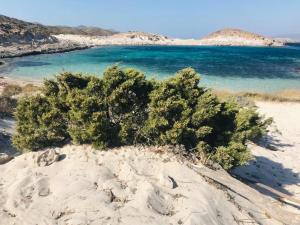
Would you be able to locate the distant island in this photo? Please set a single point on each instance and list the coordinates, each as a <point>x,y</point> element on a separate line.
<point>19,38</point>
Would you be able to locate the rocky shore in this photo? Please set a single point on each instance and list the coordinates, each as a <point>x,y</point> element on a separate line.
<point>17,50</point>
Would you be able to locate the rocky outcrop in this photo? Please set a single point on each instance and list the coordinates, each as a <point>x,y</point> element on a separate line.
<point>237,37</point>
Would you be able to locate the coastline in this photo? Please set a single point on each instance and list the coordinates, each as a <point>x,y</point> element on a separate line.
<point>71,42</point>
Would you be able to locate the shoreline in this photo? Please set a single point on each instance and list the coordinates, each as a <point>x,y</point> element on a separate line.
<point>70,42</point>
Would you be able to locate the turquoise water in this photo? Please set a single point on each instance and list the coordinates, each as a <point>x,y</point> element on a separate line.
<point>229,68</point>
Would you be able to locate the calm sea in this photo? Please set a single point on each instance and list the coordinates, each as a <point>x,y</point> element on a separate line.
<point>229,68</point>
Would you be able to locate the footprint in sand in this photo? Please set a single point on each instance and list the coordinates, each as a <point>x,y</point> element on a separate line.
<point>43,187</point>
<point>160,202</point>
<point>24,192</point>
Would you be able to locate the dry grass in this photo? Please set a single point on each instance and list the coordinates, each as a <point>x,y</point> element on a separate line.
<point>11,90</point>
<point>282,96</point>
<point>10,95</point>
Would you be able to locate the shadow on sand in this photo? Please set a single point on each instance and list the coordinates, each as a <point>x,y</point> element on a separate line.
<point>273,143</point>
<point>269,178</point>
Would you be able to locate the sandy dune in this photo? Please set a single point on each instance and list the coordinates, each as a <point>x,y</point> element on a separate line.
<point>124,186</point>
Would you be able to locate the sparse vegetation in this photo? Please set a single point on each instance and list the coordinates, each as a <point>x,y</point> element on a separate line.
<point>11,90</point>
<point>124,108</point>
<point>7,106</point>
<point>8,100</point>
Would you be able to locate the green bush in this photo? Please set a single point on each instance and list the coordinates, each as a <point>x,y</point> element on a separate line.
<point>39,124</point>
<point>124,108</point>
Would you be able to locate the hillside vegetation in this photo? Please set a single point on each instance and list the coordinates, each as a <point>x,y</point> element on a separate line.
<point>80,30</point>
<point>124,108</point>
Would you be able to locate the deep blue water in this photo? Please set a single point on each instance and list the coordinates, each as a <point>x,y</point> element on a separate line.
<point>233,68</point>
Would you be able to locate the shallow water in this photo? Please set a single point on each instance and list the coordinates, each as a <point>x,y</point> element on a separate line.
<point>230,68</point>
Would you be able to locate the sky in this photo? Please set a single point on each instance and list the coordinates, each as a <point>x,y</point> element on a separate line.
<point>174,18</point>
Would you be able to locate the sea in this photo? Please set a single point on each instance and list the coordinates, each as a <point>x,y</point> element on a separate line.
<point>255,69</point>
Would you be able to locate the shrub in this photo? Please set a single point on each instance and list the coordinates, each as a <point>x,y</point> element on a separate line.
<point>88,120</point>
<point>235,154</point>
<point>39,124</point>
<point>171,108</point>
<point>126,94</point>
<point>124,108</point>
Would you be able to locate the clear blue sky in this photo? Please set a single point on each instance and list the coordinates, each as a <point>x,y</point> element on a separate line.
<point>176,18</point>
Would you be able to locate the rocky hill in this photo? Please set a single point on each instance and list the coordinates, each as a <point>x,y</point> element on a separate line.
<point>237,37</point>
<point>18,31</point>
<point>14,31</point>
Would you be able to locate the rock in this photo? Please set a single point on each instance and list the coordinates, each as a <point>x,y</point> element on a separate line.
<point>167,181</point>
<point>17,50</point>
<point>4,158</point>
<point>47,158</point>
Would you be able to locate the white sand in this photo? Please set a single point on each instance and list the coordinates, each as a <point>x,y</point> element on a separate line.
<point>122,186</point>
<point>278,168</point>
<point>125,186</point>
